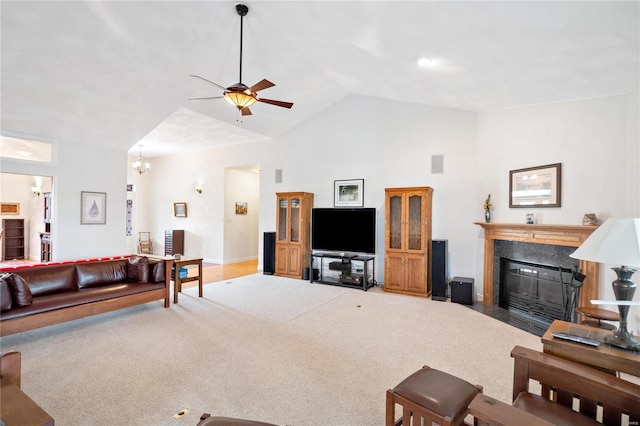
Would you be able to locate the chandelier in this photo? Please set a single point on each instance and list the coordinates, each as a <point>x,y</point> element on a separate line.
<point>140,165</point>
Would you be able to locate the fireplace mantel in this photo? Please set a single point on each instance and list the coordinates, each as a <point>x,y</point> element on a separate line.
<point>562,235</point>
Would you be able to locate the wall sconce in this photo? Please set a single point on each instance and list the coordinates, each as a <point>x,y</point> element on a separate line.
<point>36,191</point>
<point>199,189</point>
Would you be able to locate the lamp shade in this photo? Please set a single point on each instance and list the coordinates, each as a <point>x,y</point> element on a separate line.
<point>615,242</point>
<point>239,99</point>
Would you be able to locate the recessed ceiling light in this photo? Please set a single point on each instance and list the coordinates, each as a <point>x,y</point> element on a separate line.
<point>426,61</point>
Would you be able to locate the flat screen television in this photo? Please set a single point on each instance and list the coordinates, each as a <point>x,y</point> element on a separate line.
<point>348,230</point>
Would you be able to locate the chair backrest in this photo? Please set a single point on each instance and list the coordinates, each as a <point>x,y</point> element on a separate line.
<point>570,382</point>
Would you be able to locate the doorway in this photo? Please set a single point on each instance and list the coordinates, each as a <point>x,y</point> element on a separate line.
<point>242,213</point>
<point>30,197</point>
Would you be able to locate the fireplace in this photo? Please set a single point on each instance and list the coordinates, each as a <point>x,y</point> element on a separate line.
<point>546,245</point>
<point>535,291</point>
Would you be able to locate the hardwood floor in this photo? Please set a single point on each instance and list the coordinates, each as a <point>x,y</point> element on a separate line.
<point>215,273</point>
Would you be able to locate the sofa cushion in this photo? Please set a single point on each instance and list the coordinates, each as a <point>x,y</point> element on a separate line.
<point>157,271</point>
<point>5,295</point>
<point>138,269</point>
<point>20,292</point>
<point>49,279</point>
<point>93,274</point>
<point>52,302</point>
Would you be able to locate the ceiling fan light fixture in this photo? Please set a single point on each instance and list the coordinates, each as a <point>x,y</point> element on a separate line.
<point>240,95</point>
<point>239,99</point>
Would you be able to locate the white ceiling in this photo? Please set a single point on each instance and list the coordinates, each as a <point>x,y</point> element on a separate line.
<point>116,73</point>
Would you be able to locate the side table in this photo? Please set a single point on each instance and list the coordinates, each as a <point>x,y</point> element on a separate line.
<point>595,316</point>
<point>603,357</point>
<point>186,261</point>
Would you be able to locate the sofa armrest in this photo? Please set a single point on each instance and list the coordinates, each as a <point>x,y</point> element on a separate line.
<point>11,367</point>
<point>489,411</point>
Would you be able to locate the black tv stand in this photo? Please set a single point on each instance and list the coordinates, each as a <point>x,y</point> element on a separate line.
<point>363,278</point>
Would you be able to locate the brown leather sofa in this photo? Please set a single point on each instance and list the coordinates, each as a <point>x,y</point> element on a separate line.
<point>43,295</point>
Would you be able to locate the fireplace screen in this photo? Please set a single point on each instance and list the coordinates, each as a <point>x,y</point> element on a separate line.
<point>532,290</point>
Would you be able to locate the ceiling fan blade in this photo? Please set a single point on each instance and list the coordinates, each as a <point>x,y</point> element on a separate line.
<point>208,81</point>
<point>261,85</point>
<point>276,103</point>
<point>246,111</point>
<point>208,97</point>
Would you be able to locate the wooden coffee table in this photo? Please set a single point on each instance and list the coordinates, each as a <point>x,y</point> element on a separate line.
<point>604,357</point>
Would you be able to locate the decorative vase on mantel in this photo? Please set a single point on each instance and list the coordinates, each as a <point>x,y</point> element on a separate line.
<point>487,209</point>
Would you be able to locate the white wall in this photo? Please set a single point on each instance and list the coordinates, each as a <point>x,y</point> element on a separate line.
<point>388,144</point>
<point>173,179</point>
<point>76,168</point>
<point>596,140</point>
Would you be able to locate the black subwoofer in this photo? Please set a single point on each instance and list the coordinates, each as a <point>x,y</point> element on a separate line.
<point>462,290</point>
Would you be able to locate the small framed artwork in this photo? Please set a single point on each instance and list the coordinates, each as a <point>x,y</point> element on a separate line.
<point>535,186</point>
<point>9,208</point>
<point>241,207</point>
<point>93,208</point>
<point>348,193</point>
<point>180,209</point>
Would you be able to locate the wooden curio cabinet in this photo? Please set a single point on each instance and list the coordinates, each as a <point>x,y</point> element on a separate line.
<point>293,233</point>
<point>408,240</point>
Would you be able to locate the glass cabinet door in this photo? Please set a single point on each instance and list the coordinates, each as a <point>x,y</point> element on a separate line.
<point>395,222</point>
<point>415,222</point>
<point>294,222</point>
<point>283,204</point>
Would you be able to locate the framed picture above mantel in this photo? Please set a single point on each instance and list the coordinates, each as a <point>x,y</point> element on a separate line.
<point>535,187</point>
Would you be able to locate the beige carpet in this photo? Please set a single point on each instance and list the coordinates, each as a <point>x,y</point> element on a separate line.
<point>260,347</point>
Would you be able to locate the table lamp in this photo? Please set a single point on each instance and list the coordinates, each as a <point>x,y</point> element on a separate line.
<point>617,242</point>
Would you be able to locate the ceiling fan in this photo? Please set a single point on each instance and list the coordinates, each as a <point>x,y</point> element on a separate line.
<point>239,94</point>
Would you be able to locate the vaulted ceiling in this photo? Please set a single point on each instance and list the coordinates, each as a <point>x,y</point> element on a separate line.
<point>115,73</point>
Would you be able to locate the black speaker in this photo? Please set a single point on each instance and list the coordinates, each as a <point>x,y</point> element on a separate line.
<point>462,290</point>
<point>269,253</point>
<point>439,269</point>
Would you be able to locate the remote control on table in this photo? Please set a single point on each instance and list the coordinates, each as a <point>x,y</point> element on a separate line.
<point>574,338</point>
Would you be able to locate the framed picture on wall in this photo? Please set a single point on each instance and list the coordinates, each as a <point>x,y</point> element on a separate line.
<point>180,209</point>
<point>536,186</point>
<point>9,208</point>
<point>241,207</point>
<point>348,193</point>
<point>93,208</point>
